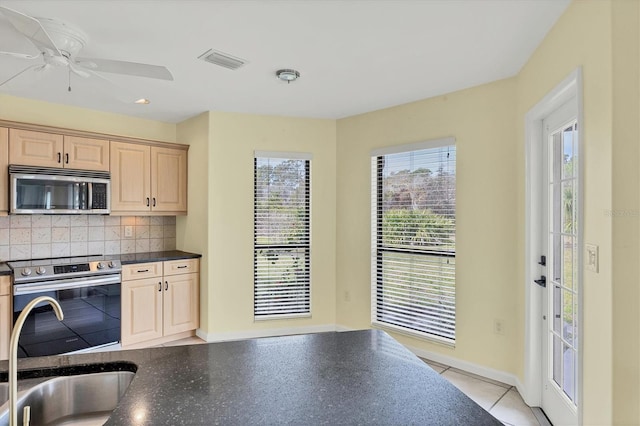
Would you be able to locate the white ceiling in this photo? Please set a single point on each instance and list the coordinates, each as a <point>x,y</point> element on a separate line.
<point>354,56</point>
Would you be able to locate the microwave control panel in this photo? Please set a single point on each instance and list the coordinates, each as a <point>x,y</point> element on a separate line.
<point>99,196</point>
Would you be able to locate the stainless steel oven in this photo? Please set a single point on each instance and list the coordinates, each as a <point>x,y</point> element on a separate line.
<point>88,290</point>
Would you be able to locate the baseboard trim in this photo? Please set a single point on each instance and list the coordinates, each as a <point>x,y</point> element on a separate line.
<point>489,373</point>
<point>270,332</point>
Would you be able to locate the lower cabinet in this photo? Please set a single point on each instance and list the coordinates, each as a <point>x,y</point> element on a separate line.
<point>5,316</point>
<point>160,307</point>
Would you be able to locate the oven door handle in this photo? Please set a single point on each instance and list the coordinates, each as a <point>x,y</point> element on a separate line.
<point>54,285</point>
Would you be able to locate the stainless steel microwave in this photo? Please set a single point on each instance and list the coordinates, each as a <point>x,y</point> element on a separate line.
<point>44,190</point>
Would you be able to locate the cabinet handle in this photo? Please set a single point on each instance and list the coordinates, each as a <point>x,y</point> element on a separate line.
<point>181,267</point>
<point>166,285</point>
<point>143,270</point>
<point>66,158</point>
<point>160,286</point>
<point>59,157</point>
<point>154,201</point>
<point>147,201</point>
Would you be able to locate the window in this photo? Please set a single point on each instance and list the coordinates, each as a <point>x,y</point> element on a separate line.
<point>281,258</point>
<point>413,238</point>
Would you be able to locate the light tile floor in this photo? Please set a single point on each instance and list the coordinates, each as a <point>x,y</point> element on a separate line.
<point>501,400</point>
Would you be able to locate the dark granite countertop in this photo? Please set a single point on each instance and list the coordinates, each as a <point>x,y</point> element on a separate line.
<point>127,259</point>
<point>4,269</point>
<point>358,377</point>
<point>154,256</point>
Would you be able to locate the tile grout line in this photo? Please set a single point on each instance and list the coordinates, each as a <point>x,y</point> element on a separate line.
<point>499,399</point>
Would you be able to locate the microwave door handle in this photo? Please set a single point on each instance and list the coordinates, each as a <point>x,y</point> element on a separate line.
<point>90,190</point>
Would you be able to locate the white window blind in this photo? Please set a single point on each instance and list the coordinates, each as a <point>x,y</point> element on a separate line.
<point>414,247</point>
<point>281,236</point>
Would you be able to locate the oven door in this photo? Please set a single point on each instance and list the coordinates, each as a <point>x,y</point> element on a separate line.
<point>91,308</point>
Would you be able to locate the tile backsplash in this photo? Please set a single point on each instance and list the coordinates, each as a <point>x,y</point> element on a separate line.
<point>36,236</point>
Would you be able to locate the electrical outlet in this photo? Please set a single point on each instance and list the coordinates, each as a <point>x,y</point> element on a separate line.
<point>128,231</point>
<point>498,326</point>
<point>591,257</point>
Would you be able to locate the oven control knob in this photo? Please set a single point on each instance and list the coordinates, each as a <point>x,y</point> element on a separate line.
<point>100,265</point>
<point>40,270</point>
<point>111,264</point>
<point>26,272</point>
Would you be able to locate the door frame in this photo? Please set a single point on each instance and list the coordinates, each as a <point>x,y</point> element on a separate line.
<point>569,89</point>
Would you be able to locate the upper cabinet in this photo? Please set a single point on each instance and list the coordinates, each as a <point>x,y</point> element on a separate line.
<point>42,149</point>
<point>168,179</point>
<point>4,170</point>
<point>148,179</point>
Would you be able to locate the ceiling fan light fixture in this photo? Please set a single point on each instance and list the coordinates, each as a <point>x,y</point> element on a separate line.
<point>142,101</point>
<point>287,75</point>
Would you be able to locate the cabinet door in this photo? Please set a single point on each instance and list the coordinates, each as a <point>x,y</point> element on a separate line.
<point>4,172</point>
<point>141,310</point>
<point>168,179</point>
<point>29,148</point>
<point>86,154</point>
<point>5,316</point>
<point>130,174</point>
<point>181,303</point>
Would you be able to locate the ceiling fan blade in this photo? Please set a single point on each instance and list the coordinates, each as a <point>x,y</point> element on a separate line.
<point>31,28</point>
<point>77,70</point>
<point>20,73</point>
<point>20,55</point>
<point>111,89</point>
<point>127,68</point>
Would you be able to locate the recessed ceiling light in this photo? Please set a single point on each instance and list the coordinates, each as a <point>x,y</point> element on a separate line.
<point>288,75</point>
<point>143,101</point>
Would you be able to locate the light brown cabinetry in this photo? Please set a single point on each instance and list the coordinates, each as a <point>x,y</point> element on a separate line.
<point>148,179</point>
<point>5,316</point>
<point>40,149</point>
<point>160,308</point>
<point>4,172</point>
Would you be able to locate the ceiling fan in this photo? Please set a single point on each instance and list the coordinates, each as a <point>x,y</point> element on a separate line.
<point>59,45</point>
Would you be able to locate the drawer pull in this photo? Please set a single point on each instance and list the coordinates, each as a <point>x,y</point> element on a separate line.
<point>143,270</point>
<point>183,266</point>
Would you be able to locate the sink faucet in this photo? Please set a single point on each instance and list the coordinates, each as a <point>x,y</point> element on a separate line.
<point>13,355</point>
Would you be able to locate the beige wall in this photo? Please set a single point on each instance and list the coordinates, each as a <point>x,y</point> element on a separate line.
<point>483,121</point>
<point>626,205</point>
<point>192,230</point>
<point>48,114</point>
<point>232,141</point>
<point>581,37</point>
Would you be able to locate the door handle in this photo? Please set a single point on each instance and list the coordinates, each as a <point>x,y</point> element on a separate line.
<point>147,201</point>
<point>542,282</point>
<point>160,286</point>
<point>154,201</point>
<point>66,158</point>
<point>59,157</point>
<point>166,285</point>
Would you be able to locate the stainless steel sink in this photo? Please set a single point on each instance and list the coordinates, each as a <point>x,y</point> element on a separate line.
<point>4,393</point>
<point>87,399</point>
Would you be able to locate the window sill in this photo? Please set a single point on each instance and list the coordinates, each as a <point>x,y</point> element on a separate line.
<point>414,334</point>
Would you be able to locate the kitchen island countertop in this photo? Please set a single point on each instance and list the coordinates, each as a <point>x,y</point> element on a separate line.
<point>357,377</point>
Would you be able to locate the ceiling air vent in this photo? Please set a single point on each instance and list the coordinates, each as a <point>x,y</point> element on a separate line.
<point>223,59</point>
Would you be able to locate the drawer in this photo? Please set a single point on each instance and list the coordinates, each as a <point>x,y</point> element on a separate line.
<point>5,285</point>
<point>183,266</point>
<point>141,270</point>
